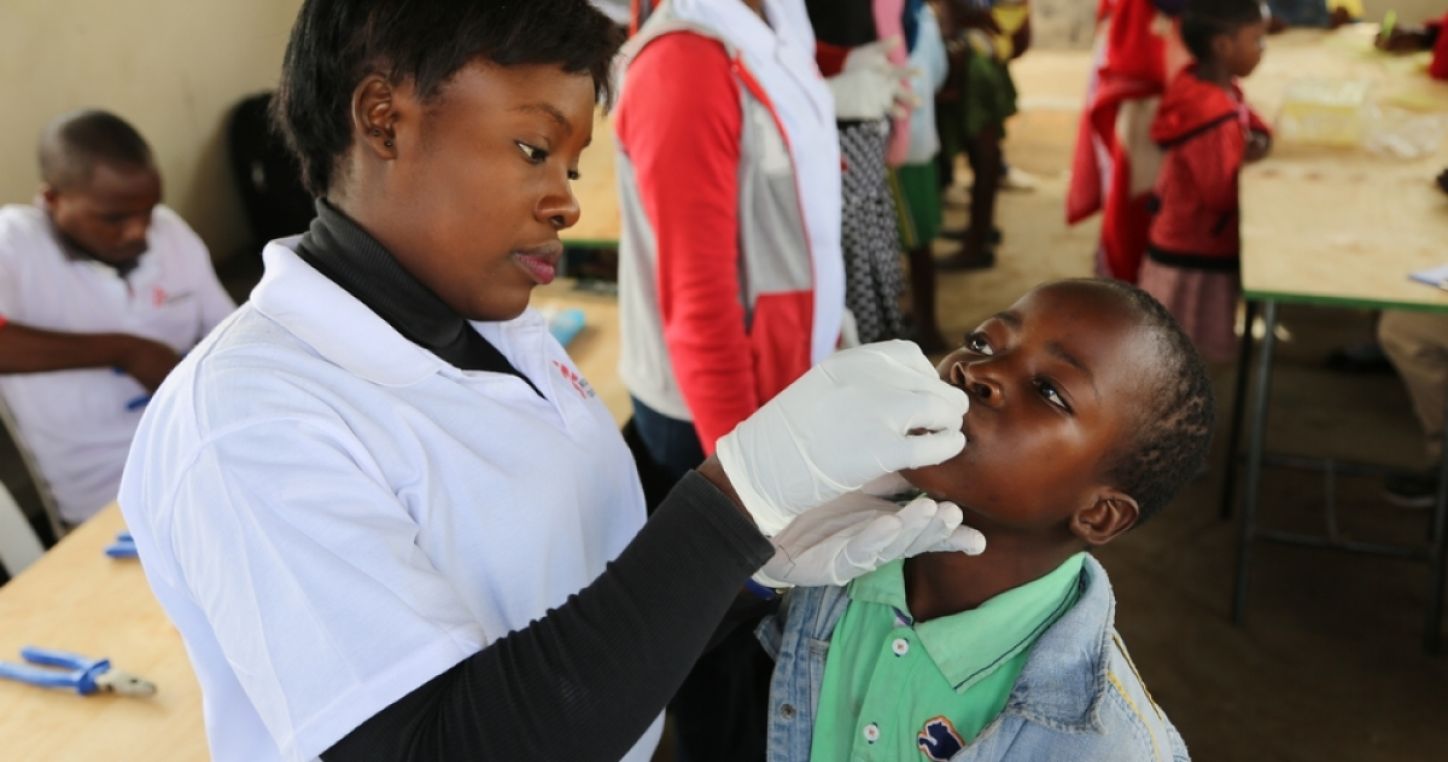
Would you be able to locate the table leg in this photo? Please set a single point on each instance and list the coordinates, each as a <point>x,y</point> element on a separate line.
<point>1239,406</point>
<point>1433,627</point>
<point>1256,440</point>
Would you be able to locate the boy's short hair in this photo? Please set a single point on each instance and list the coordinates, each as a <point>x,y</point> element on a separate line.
<point>1174,433</point>
<point>74,143</point>
<point>336,43</point>
<point>1204,19</point>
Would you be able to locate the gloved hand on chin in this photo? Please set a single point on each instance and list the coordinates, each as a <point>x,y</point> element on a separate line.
<point>857,533</point>
<point>860,415</point>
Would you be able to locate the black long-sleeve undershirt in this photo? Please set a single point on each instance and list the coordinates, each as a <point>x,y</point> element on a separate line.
<point>584,682</point>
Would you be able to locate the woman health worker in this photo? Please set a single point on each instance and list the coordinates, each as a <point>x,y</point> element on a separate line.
<point>389,518</point>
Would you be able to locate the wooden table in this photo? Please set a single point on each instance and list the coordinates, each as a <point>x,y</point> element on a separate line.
<point>599,220</point>
<point>76,599</point>
<point>1335,227</point>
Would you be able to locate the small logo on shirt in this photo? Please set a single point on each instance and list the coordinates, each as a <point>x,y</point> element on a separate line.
<point>579,383</point>
<point>939,740</point>
<point>160,297</point>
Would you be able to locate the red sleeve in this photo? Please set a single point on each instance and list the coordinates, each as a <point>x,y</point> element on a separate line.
<point>679,124</point>
<point>1212,161</point>
<point>830,58</point>
<point>1438,68</point>
<point>1256,123</point>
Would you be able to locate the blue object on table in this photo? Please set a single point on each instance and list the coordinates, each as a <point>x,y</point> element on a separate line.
<point>84,675</point>
<point>123,547</point>
<point>565,325</point>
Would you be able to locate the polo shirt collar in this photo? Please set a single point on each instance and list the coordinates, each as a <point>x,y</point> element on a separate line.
<point>968,646</point>
<point>334,323</point>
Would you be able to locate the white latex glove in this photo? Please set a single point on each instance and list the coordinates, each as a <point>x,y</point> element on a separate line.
<point>846,422</point>
<point>870,86</point>
<point>857,533</point>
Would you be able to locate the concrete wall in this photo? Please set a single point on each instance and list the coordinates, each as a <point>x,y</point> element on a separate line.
<point>174,68</point>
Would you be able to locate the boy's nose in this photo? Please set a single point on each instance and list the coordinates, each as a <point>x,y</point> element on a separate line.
<point>979,383</point>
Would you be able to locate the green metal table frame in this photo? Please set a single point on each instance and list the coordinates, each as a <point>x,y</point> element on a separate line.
<point>1432,553</point>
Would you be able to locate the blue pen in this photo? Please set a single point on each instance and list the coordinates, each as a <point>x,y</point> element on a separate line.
<point>123,547</point>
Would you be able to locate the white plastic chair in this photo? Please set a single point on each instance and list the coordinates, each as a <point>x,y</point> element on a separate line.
<point>19,547</point>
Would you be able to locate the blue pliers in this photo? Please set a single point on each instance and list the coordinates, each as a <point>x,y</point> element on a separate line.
<point>83,675</point>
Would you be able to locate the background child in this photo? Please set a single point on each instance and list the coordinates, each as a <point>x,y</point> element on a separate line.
<point>916,183</point>
<point>982,37</point>
<point>1089,410</point>
<point>1207,131</point>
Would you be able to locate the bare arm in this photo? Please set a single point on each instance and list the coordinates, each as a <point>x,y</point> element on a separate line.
<point>33,350</point>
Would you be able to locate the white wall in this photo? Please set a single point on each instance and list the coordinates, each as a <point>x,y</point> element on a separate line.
<point>173,68</point>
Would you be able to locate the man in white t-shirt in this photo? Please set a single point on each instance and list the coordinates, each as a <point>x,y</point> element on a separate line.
<point>101,290</point>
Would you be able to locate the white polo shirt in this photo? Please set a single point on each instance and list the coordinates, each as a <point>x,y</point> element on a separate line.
<point>332,515</point>
<point>79,423</point>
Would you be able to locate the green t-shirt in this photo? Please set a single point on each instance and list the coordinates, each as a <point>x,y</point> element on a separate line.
<point>897,690</point>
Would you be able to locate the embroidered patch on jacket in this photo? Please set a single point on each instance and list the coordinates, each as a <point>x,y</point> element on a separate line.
<point>939,740</point>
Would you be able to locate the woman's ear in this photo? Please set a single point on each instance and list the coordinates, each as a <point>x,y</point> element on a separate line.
<point>1111,513</point>
<point>374,116</point>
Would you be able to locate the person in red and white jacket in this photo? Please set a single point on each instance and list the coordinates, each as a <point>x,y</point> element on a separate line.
<point>731,280</point>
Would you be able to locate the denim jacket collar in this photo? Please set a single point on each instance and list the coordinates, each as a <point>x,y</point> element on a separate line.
<point>1064,681</point>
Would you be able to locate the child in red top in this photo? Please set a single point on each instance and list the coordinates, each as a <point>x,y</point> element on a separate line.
<point>1207,132</point>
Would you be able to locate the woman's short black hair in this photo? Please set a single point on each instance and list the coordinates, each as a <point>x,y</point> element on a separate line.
<point>335,44</point>
<point>1174,434</point>
<point>1204,19</point>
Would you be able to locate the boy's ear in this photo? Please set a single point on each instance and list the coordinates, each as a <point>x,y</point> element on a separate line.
<point>1107,517</point>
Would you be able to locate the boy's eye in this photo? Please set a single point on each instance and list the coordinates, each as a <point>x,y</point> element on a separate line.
<point>979,344</point>
<point>1048,391</point>
<point>534,154</point>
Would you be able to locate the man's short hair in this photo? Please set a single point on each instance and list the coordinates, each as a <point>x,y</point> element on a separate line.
<point>1175,432</point>
<point>335,44</point>
<point>73,144</point>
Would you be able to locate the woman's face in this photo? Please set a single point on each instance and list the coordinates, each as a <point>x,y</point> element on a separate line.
<point>479,186</point>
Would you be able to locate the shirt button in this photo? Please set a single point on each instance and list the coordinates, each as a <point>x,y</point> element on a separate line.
<point>786,711</point>
<point>901,646</point>
<point>872,733</point>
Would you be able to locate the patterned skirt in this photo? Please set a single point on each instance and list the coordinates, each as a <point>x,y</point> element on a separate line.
<point>871,243</point>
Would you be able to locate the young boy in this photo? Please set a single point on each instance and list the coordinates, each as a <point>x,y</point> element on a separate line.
<point>1208,133</point>
<point>1089,410</point>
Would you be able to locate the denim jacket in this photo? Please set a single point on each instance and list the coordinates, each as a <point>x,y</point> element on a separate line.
<point>1078,698</point>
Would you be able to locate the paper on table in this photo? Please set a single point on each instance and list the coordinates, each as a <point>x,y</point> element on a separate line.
<point>1437,276</point>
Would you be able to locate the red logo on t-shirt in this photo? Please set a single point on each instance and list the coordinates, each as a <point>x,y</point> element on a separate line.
<point>158,296</point>
<point>579,383</point>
